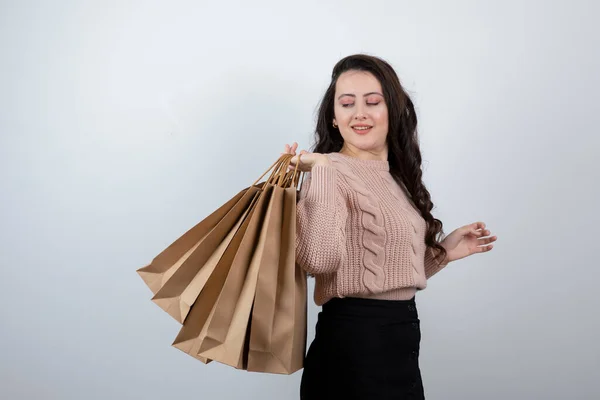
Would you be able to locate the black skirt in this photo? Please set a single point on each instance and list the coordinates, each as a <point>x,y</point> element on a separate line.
<point>364,349</point>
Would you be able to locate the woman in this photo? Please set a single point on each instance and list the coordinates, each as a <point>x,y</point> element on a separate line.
<point>366,233</point>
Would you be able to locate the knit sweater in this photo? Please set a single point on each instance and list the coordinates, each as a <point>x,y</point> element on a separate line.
<point>359,234</point>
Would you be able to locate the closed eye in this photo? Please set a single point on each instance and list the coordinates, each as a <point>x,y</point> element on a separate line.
<point>351,104</point>
<point>369,104</point>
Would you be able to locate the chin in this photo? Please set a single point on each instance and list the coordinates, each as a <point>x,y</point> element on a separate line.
<point>367,144</point>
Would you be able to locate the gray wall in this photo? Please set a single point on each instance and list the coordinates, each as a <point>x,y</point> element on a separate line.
<point>122,123</point>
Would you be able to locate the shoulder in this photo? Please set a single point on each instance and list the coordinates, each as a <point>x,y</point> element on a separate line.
<point>335,166</point>
<point>324,178</point>
<point>334,158</point>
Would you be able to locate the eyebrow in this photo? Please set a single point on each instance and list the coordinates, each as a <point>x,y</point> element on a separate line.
<point>365,95</point>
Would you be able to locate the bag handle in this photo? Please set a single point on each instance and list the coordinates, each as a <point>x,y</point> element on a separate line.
<point>280,174</point>
<point>288,178</point>
<point>291,178</point>
<point>276,164</point>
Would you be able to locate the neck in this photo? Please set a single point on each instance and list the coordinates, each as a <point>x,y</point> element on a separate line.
<point>371,154</point>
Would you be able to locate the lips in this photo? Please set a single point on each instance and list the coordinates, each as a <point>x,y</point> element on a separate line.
<point>361,129</point>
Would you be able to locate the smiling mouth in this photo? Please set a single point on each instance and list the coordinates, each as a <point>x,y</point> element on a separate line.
<point>362,129</point>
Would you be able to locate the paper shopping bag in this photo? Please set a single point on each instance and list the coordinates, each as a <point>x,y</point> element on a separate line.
<point>230,270</point>
<point>227,331</point>
<point>274,318</point>
<point>177,275</point>
<point>220,293</point>
<point>181,289</point>
<point>278,327</point>
<point>194,328</point>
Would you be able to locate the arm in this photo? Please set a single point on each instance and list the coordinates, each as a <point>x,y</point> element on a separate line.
<point>431,265</point>
<point>321,221</point>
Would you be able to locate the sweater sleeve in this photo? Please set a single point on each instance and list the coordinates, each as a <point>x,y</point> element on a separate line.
<point>432,266</point>
<point>320,222</point>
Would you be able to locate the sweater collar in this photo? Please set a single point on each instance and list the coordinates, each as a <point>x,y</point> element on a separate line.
<point>382,165</point>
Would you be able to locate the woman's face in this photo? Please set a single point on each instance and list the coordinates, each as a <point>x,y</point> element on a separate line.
<point>361,113</point>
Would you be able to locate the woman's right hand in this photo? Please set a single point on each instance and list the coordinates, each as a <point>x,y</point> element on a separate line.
<point>305,159</point>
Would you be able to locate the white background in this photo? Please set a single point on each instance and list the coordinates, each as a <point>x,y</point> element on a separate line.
<point>123,123</point>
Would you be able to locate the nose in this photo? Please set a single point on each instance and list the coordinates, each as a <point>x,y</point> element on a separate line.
<point>359,114</point>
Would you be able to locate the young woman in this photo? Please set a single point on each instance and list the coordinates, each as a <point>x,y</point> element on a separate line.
<point>366,233</point>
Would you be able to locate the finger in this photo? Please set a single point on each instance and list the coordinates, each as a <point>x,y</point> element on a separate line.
<point>485,248</point>
<point>478,225</point>
<point>483,232</point>
<point>487,240</point>
<point>474,227</point>
<point>474,232</point>
<point>297,160</point>
<point>478,232</point>
<point>294,146</point>
<point>290,150</point>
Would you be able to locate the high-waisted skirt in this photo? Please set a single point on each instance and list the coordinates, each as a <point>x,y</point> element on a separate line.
<point>364,349</point>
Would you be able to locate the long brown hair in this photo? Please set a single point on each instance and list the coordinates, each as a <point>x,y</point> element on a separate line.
<point>404,154</point>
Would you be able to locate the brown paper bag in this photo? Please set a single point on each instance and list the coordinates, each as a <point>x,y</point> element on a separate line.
<point>227,331</point>
<point>177,275</point>
<point>300,293</point>
<point>217,324</point>
<point>230,270</point>
<point>278,328</point>
<point>193,331</point>
<point>180,291</point>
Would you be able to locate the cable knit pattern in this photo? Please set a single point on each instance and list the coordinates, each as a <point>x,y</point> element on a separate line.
<point>359,234</point>
<point>373,232</point>
<point>417,223</point>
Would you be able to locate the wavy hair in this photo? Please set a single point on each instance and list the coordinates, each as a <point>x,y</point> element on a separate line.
<point>404,154</point>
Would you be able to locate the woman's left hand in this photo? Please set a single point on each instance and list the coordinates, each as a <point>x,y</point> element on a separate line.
<point>467,240</point>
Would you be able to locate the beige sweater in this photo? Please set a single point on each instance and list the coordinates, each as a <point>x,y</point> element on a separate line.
<point>359,234</point>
